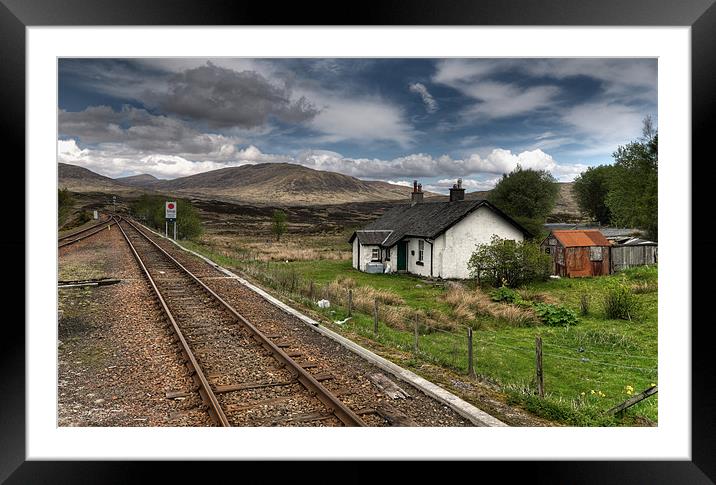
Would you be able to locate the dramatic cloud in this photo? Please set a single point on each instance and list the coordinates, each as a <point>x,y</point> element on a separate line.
<point>223,97</point>
<point>361,120</point>
<point>431,106</point>
<point>494,99</point>
<point>114,163</point>
<point>498,161</point>
<point>178,116</point>
<point>137,130</point>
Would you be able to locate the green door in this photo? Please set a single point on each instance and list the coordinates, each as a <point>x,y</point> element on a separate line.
<point>402,256</point>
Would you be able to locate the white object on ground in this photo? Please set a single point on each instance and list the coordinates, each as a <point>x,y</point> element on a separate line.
<point>554,276</point>
<point>341,322</point>
<point>324,304</point>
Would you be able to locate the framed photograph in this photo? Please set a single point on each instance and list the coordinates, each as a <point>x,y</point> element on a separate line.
<point>313,163</point>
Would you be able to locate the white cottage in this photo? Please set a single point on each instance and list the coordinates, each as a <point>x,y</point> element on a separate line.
<point>431,238</point>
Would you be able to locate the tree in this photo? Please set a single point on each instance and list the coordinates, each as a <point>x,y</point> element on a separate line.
<point>65,202</point>
<point>279,223</point>
<point>150,209</point>
<point>633,195</point>
<point>188,221</point>
<point>591,188</point>
<point>508,261</point>
<point>526,195</point>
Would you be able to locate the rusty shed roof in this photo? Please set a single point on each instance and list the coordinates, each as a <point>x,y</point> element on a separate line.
<point>577,238</point>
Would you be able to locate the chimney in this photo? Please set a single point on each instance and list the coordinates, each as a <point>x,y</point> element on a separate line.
<point>457,192</point>
<point>417,196</point>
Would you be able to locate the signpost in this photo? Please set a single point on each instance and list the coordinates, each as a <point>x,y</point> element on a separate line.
<point>170,210</point>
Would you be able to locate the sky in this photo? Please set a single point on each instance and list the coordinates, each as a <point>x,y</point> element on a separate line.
<point>395,120</point>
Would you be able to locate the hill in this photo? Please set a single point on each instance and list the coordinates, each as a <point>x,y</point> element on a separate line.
<point>143,180</point>
<point>80,179</point>
<point>283,184</point>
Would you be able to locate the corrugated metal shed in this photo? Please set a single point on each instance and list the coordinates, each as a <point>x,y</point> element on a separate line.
<point>580,238</point>
<point>577,253</point>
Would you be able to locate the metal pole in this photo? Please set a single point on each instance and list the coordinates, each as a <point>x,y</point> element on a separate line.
<point>538,358</point>
<point>470,367</point>
<point>166,228</point>
<point>175,229</point>
<point>415,335</point>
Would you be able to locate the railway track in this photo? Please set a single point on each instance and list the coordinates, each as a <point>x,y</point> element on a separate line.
<point>245,377</point>
<point>85,233</point>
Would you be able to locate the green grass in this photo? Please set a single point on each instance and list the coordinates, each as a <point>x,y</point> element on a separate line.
<point>587,367</point>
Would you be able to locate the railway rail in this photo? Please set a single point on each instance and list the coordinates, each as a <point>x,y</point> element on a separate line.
<point>85,233</point>
<point>244,377</point>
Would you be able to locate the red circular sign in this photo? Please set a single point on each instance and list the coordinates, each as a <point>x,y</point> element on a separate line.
<point>171,206</point>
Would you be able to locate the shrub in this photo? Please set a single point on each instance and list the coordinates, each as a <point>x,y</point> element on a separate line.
<point>556,315</point>
<point>505,294</point>
<point>509,262</point>
<point>150,210</point>
<point>65,202</point>
<point>620,303</point>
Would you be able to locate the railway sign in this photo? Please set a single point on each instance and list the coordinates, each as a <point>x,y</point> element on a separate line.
<point>171,209</point>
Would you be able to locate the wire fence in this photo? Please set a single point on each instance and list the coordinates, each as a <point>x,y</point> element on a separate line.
<point>493,354</point>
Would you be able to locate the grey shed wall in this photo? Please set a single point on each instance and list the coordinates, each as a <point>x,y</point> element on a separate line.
<point>628,256</point>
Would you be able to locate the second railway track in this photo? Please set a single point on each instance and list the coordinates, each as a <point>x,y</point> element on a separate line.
<point>77,236</point>
<point>245,377</point>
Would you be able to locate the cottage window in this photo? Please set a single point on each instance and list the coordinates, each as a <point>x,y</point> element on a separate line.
<point>387,254</point>
<point>595,253</point>
<point>421,250</point>
<point>375,255</point>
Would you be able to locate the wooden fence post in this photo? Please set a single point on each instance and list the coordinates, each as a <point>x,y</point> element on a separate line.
<point>350,302</point>
<point>415,342</point>
<point>540,375</point>
<point>375,316</point>
<point>470,367</point>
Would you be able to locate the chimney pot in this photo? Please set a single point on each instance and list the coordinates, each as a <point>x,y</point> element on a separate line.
<point>417,196</point>
<point>457,192</point>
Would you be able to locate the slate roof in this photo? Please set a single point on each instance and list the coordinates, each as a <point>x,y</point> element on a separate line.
<point>427,219</point>
<point>575,239</point>
<point>371,237</point>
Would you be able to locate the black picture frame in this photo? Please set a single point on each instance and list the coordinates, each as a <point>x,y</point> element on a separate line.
<point>700,15</point>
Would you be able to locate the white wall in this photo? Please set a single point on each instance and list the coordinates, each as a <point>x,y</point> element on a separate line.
<point>365,255</point>
<point>460,240</point>
<point>393,263</point>
<point>412,266</point>
<point>355,253</point>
